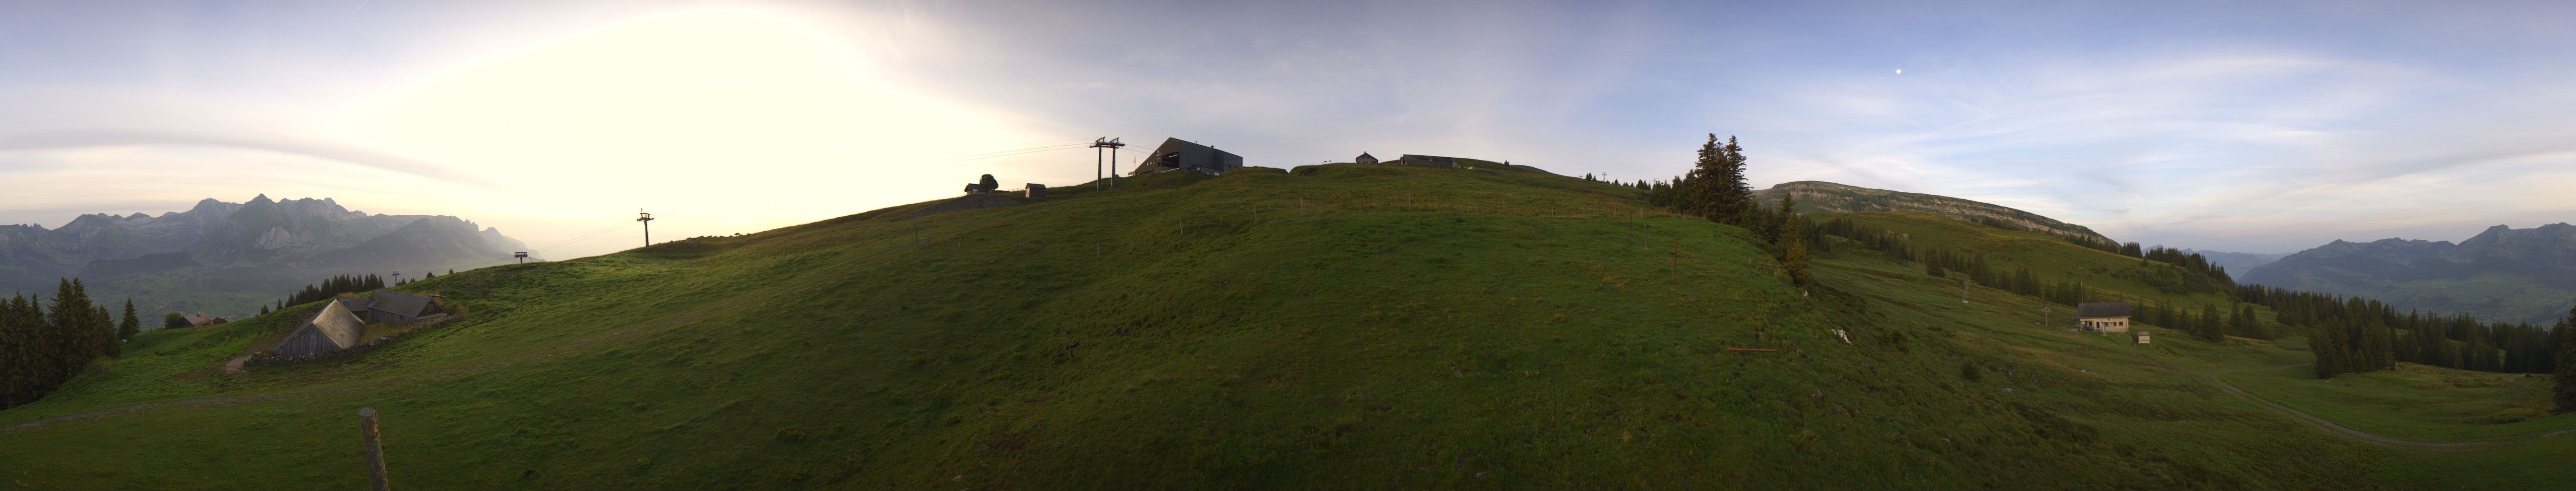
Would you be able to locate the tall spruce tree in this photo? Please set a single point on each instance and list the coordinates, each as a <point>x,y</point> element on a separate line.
<point>1699,187</point>
<point>16,372</point>
<point>132,324</point>
<point>2563,395</point>
<point>1734,195</point>
<point>1793,256</point>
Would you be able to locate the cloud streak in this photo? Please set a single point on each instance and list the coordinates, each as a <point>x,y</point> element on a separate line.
<point>88,138</point>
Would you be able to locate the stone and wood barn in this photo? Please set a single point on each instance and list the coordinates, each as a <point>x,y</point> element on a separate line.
<point>1429,161</point>
<point>394,307</point>
<point>1177,155</point>
<point>333,329</point>
<point>2105,317</point>
<point>1365,158</point>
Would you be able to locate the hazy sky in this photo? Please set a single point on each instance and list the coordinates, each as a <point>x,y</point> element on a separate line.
<point>2229,126</point>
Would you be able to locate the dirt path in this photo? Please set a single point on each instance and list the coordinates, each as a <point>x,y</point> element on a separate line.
<point>2328,426</point>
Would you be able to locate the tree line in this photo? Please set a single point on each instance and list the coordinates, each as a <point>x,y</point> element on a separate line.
<point>2347,334</point>
<point>2210,322</point>
<point>2354,335</point>
<point>330,288</point>
<point>44,344</point>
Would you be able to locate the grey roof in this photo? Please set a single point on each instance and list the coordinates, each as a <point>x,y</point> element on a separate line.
<point>333,329</point>
<point>2102,309</point>
<point>198,319</point>
<point>1410,159</point>
<point>354,305</point>
<point>1175,154</point>
<point>398,303</point>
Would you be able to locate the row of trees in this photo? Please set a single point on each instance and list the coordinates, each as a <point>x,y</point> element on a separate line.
<point>2193,262</point>
<point>336,286</point>
<point>332,287</point>
<point>42,346</point>
<point>1889,242</point>
<point>2353,335</point>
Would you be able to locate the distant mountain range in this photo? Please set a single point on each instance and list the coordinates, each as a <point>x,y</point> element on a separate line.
<point>230,258</point>
<point>1826,197</point>
<point>2503,273</point>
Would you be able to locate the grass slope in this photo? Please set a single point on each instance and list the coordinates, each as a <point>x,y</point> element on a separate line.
<point>1332,326</point>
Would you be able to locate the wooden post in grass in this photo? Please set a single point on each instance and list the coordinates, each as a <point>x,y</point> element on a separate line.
<point>1677,260</point>
<point>375,449</point>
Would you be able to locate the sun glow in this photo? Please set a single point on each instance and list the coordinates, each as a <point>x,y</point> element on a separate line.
<point>740,118</point>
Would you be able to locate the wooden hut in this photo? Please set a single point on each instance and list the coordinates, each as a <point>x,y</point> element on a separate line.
<point>1365,158</point>
<point>333,329</point>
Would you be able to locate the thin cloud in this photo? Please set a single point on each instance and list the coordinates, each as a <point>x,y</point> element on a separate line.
<point>67,139</point>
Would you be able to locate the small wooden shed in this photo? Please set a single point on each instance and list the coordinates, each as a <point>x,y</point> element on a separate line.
<point>2140,336</point>
<point>1365,158</point>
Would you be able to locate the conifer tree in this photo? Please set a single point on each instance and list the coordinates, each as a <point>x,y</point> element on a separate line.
<point>1735,196</point>
<point>2328,346</point>
<point>130,325</point>
<point>107,342</point>
<point>1701,187</point>
<point>2563,395</point>
<point>1793,254</point>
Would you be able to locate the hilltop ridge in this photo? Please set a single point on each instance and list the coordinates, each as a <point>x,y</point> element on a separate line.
<point>2502,273</point>
<point>227,259</point>
<point>1827,197</point>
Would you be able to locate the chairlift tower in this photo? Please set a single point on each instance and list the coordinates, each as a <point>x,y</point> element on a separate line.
<point>647,218</point>
<point>1109,143</point>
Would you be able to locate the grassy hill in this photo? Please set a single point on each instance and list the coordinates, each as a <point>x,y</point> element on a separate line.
<point>1336,326</point>
<point>1826,197</point>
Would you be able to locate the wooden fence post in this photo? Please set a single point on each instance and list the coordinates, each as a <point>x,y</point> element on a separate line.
<point>375,449</point>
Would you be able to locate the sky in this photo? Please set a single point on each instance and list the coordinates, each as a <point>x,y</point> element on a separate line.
<point>2234,126</point>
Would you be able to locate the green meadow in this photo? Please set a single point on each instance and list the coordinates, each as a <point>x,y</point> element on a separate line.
<point>1336,326</point>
